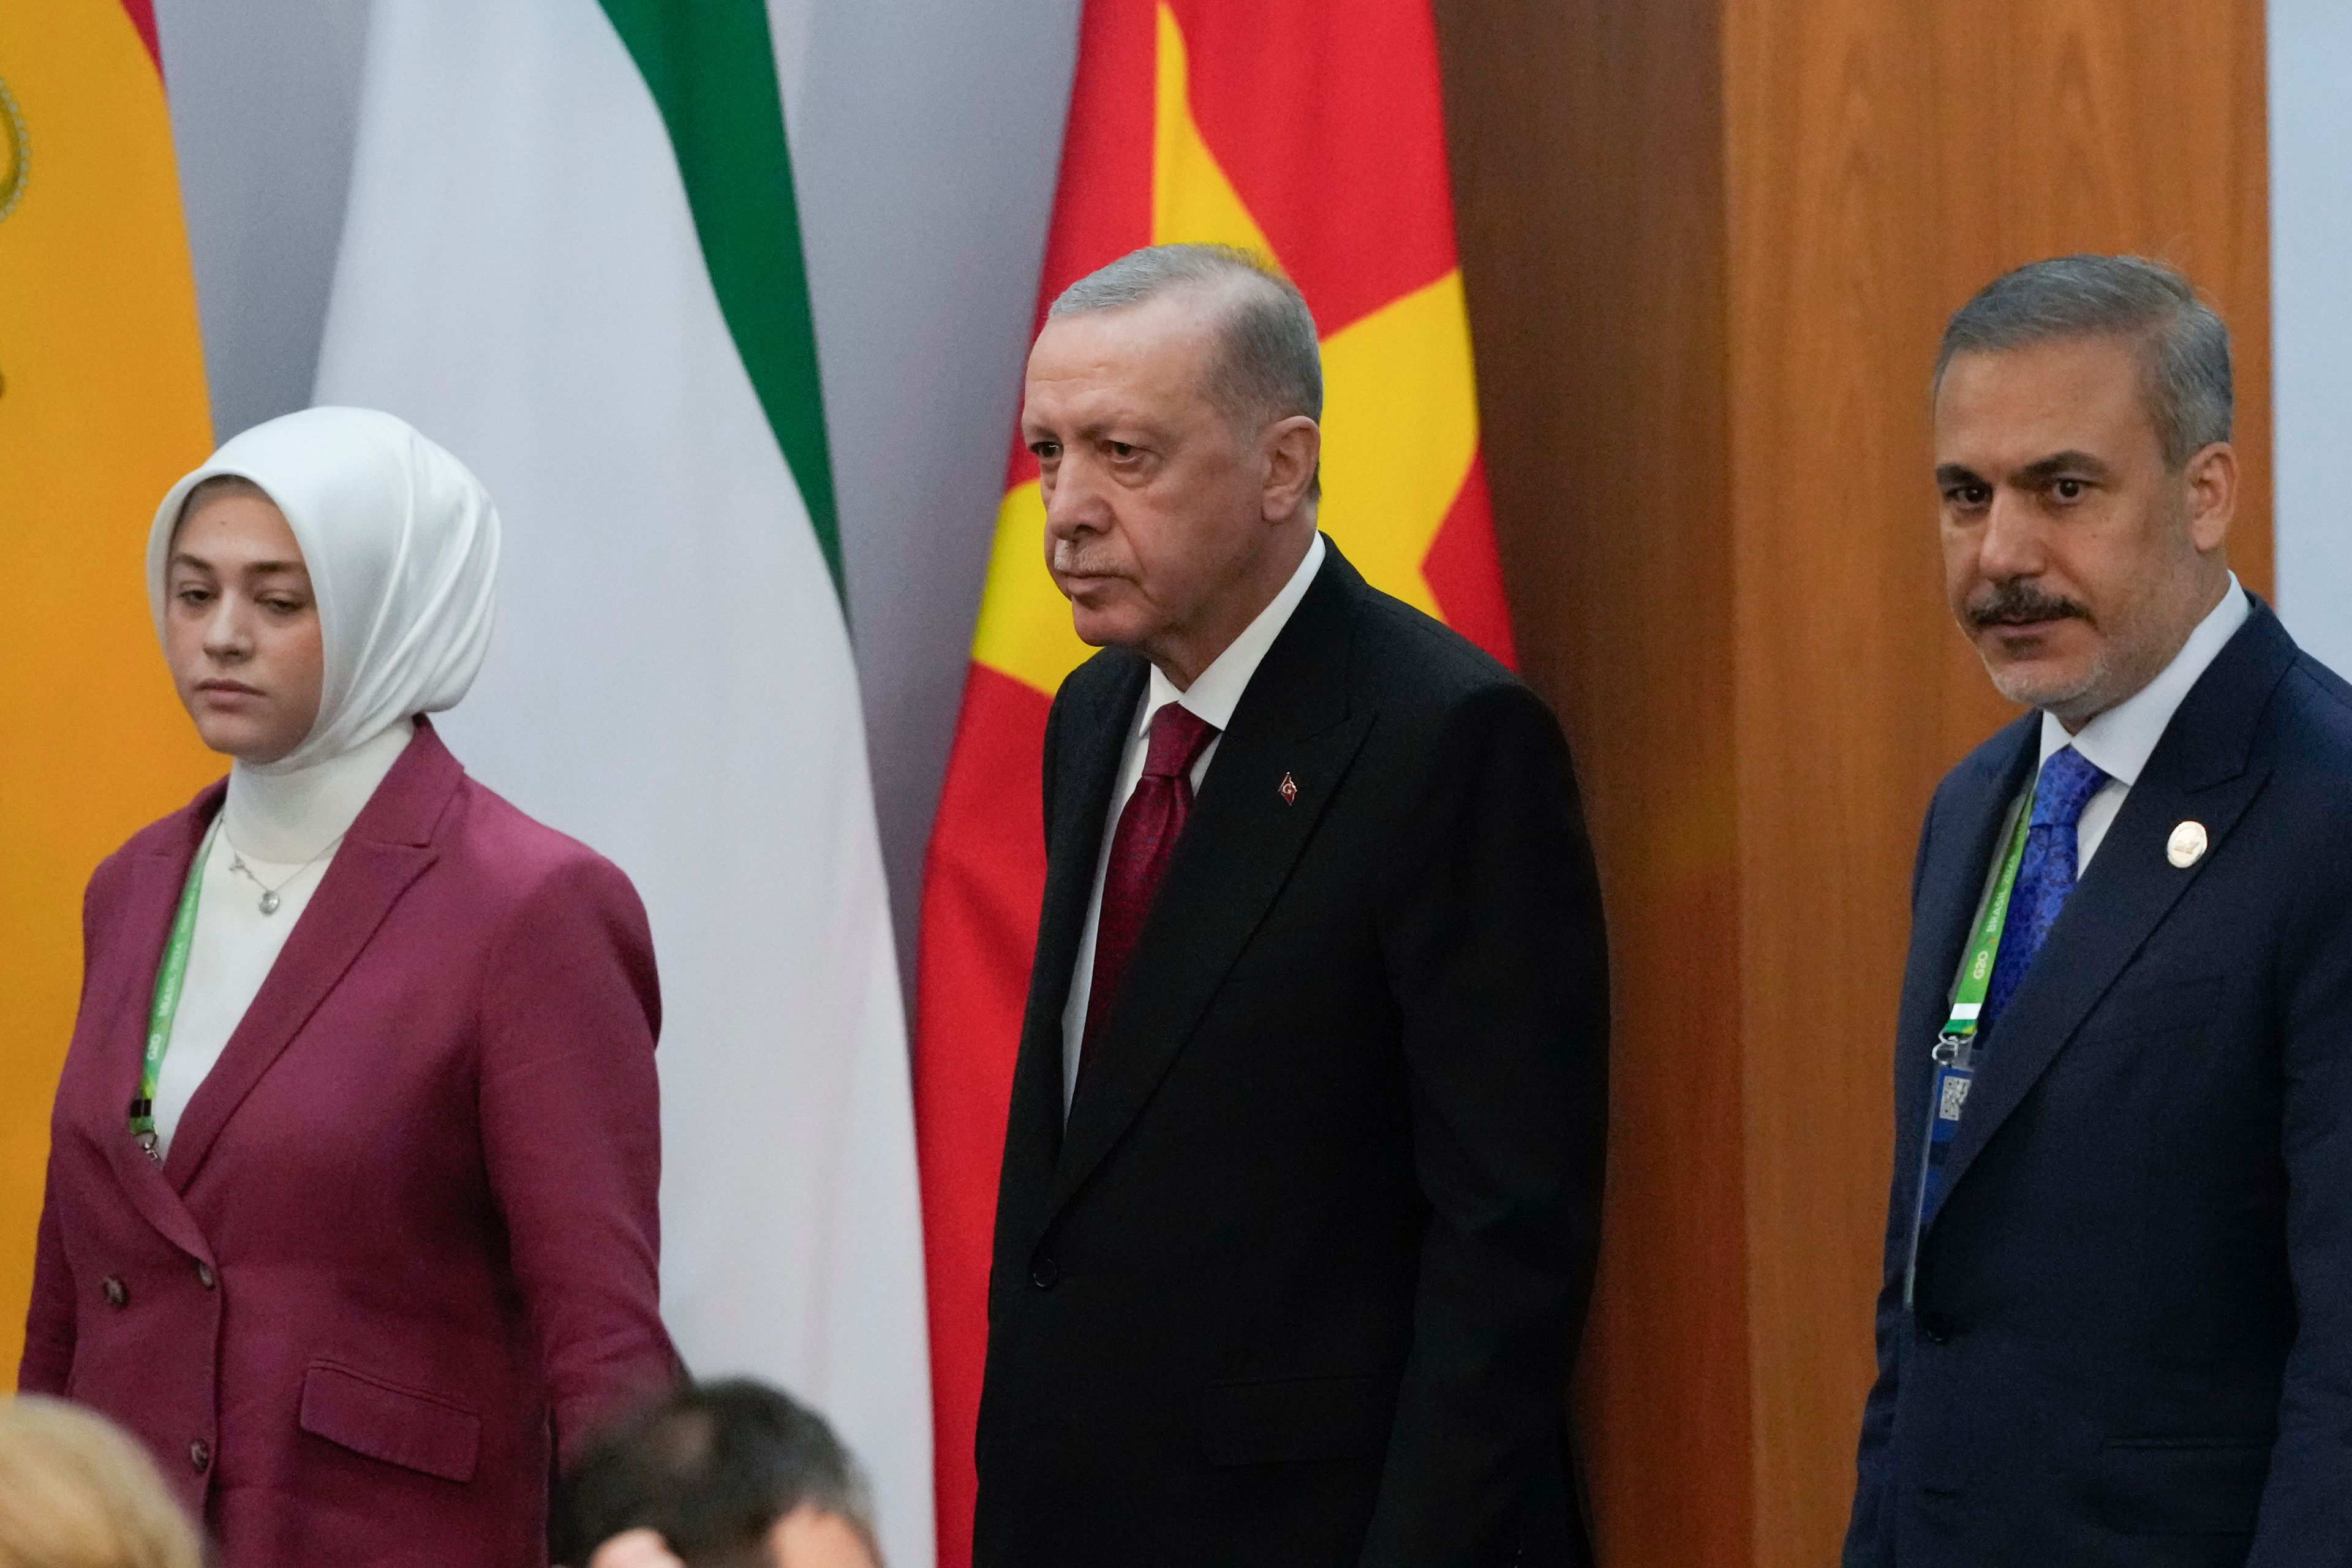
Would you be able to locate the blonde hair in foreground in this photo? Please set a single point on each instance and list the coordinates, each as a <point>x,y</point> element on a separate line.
<point>77,1493</point>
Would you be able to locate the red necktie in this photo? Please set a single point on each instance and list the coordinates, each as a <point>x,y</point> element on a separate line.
<point>1140,852</point>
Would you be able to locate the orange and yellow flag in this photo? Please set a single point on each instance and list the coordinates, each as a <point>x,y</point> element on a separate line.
<point>103,406</point>
<point>1312,134</point>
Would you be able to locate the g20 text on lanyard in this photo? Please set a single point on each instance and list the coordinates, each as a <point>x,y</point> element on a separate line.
<point>1955,1050</point>
<point>169,977</point>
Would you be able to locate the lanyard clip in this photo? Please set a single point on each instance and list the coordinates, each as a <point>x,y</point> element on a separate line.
<point>1953,1050</point>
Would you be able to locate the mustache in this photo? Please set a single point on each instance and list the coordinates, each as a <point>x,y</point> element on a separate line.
<point>1072,562</point>
<point>2017,603</point>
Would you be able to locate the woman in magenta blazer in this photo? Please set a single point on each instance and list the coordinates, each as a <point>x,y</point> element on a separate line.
<point>352,1189</point>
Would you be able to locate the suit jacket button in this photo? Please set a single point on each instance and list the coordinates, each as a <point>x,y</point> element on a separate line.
<point>200,1457</point>
<point>204,1274</point>
<point>117,1293</point>
<point>1934,1328</point>
<point>1045,1273</point>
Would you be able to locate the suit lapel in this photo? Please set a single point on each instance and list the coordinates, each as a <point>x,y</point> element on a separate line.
<point>1951,886</point>
<point>2202,770</point>
<point>387,847</point>
<point>153,896</point>
<point>1095,723</point>
<point>1236,853</point>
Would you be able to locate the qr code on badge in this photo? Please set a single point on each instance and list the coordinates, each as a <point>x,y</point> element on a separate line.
<point>1956,1094</point>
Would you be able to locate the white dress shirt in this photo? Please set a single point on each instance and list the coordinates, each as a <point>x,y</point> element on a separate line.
<point>1213,697</point>
<point>286,828</point>
<point>2119,741</point>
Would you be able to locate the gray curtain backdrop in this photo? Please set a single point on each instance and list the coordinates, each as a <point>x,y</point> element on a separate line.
<point>2311,317</point>
<point>925,138</point>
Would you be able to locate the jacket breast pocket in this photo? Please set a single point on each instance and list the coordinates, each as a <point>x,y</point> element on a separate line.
<point>1268,1421</point>
<point>405,1427</point>
<point>2182,1486</point>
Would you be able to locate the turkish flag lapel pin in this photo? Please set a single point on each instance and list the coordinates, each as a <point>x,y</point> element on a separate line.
<point>1289,790</point>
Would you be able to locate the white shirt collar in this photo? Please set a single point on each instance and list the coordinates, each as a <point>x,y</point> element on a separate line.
<point>2119,741</point>
<point>1218,690</point>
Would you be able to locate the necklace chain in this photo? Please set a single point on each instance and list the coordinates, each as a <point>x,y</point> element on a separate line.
<point>270,900</point>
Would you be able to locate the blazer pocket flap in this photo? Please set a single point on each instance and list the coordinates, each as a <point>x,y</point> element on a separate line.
<point>2183,1486</point>
<point>1268,1421</point>
<point>403,1427</point>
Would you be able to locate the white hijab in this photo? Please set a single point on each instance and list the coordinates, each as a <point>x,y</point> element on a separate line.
<point>402,544</point>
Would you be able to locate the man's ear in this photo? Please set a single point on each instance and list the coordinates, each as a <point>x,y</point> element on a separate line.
<point>1294,447</point>
<point>2211,476</point>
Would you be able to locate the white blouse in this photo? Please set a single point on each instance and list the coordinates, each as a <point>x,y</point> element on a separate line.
<point>284,830</point>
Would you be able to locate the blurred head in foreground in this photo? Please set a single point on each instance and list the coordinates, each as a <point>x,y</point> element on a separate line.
<point>2081,432</point>
<point>718,1475</point>
<point>77,1493</point>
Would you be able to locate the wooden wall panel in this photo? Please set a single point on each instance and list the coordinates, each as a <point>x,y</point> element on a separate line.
<point>1833,322</point>
<point>1589,196</point>
<point>1709,245</point>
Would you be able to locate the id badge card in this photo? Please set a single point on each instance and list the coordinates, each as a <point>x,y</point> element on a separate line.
<point>1948,1099</point>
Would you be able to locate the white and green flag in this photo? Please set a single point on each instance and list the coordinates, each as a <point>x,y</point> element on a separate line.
<point>572,257</point>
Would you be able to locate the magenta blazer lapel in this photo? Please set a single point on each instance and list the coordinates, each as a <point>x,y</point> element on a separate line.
<point>387,848</point>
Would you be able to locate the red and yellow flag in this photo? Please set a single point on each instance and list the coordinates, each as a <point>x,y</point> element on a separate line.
<point>103,406</point>
<point>1311,133</point>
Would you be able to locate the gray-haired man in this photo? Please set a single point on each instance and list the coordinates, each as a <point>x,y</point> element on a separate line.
<point>1302,1175</point>
<point>2116,1319</point>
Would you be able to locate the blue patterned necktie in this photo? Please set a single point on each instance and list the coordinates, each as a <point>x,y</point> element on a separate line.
<point>2044,876</point>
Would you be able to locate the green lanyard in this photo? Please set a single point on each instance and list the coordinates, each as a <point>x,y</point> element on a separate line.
<point>166,1006</point>
<point>1953,1043</point>
<point>1954,1056</point>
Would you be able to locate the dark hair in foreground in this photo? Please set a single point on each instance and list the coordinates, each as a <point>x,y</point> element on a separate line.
<point>2184,346</point>
<point>712,1467</point>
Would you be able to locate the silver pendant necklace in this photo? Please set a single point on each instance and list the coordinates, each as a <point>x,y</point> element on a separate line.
<point>270,900</point>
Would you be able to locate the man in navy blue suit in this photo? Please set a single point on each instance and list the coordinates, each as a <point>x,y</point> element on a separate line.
<point>2115,1320</point>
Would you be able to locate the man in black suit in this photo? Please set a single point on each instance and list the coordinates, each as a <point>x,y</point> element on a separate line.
<point>1301,1185</point>
<point>2123,1068</point>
